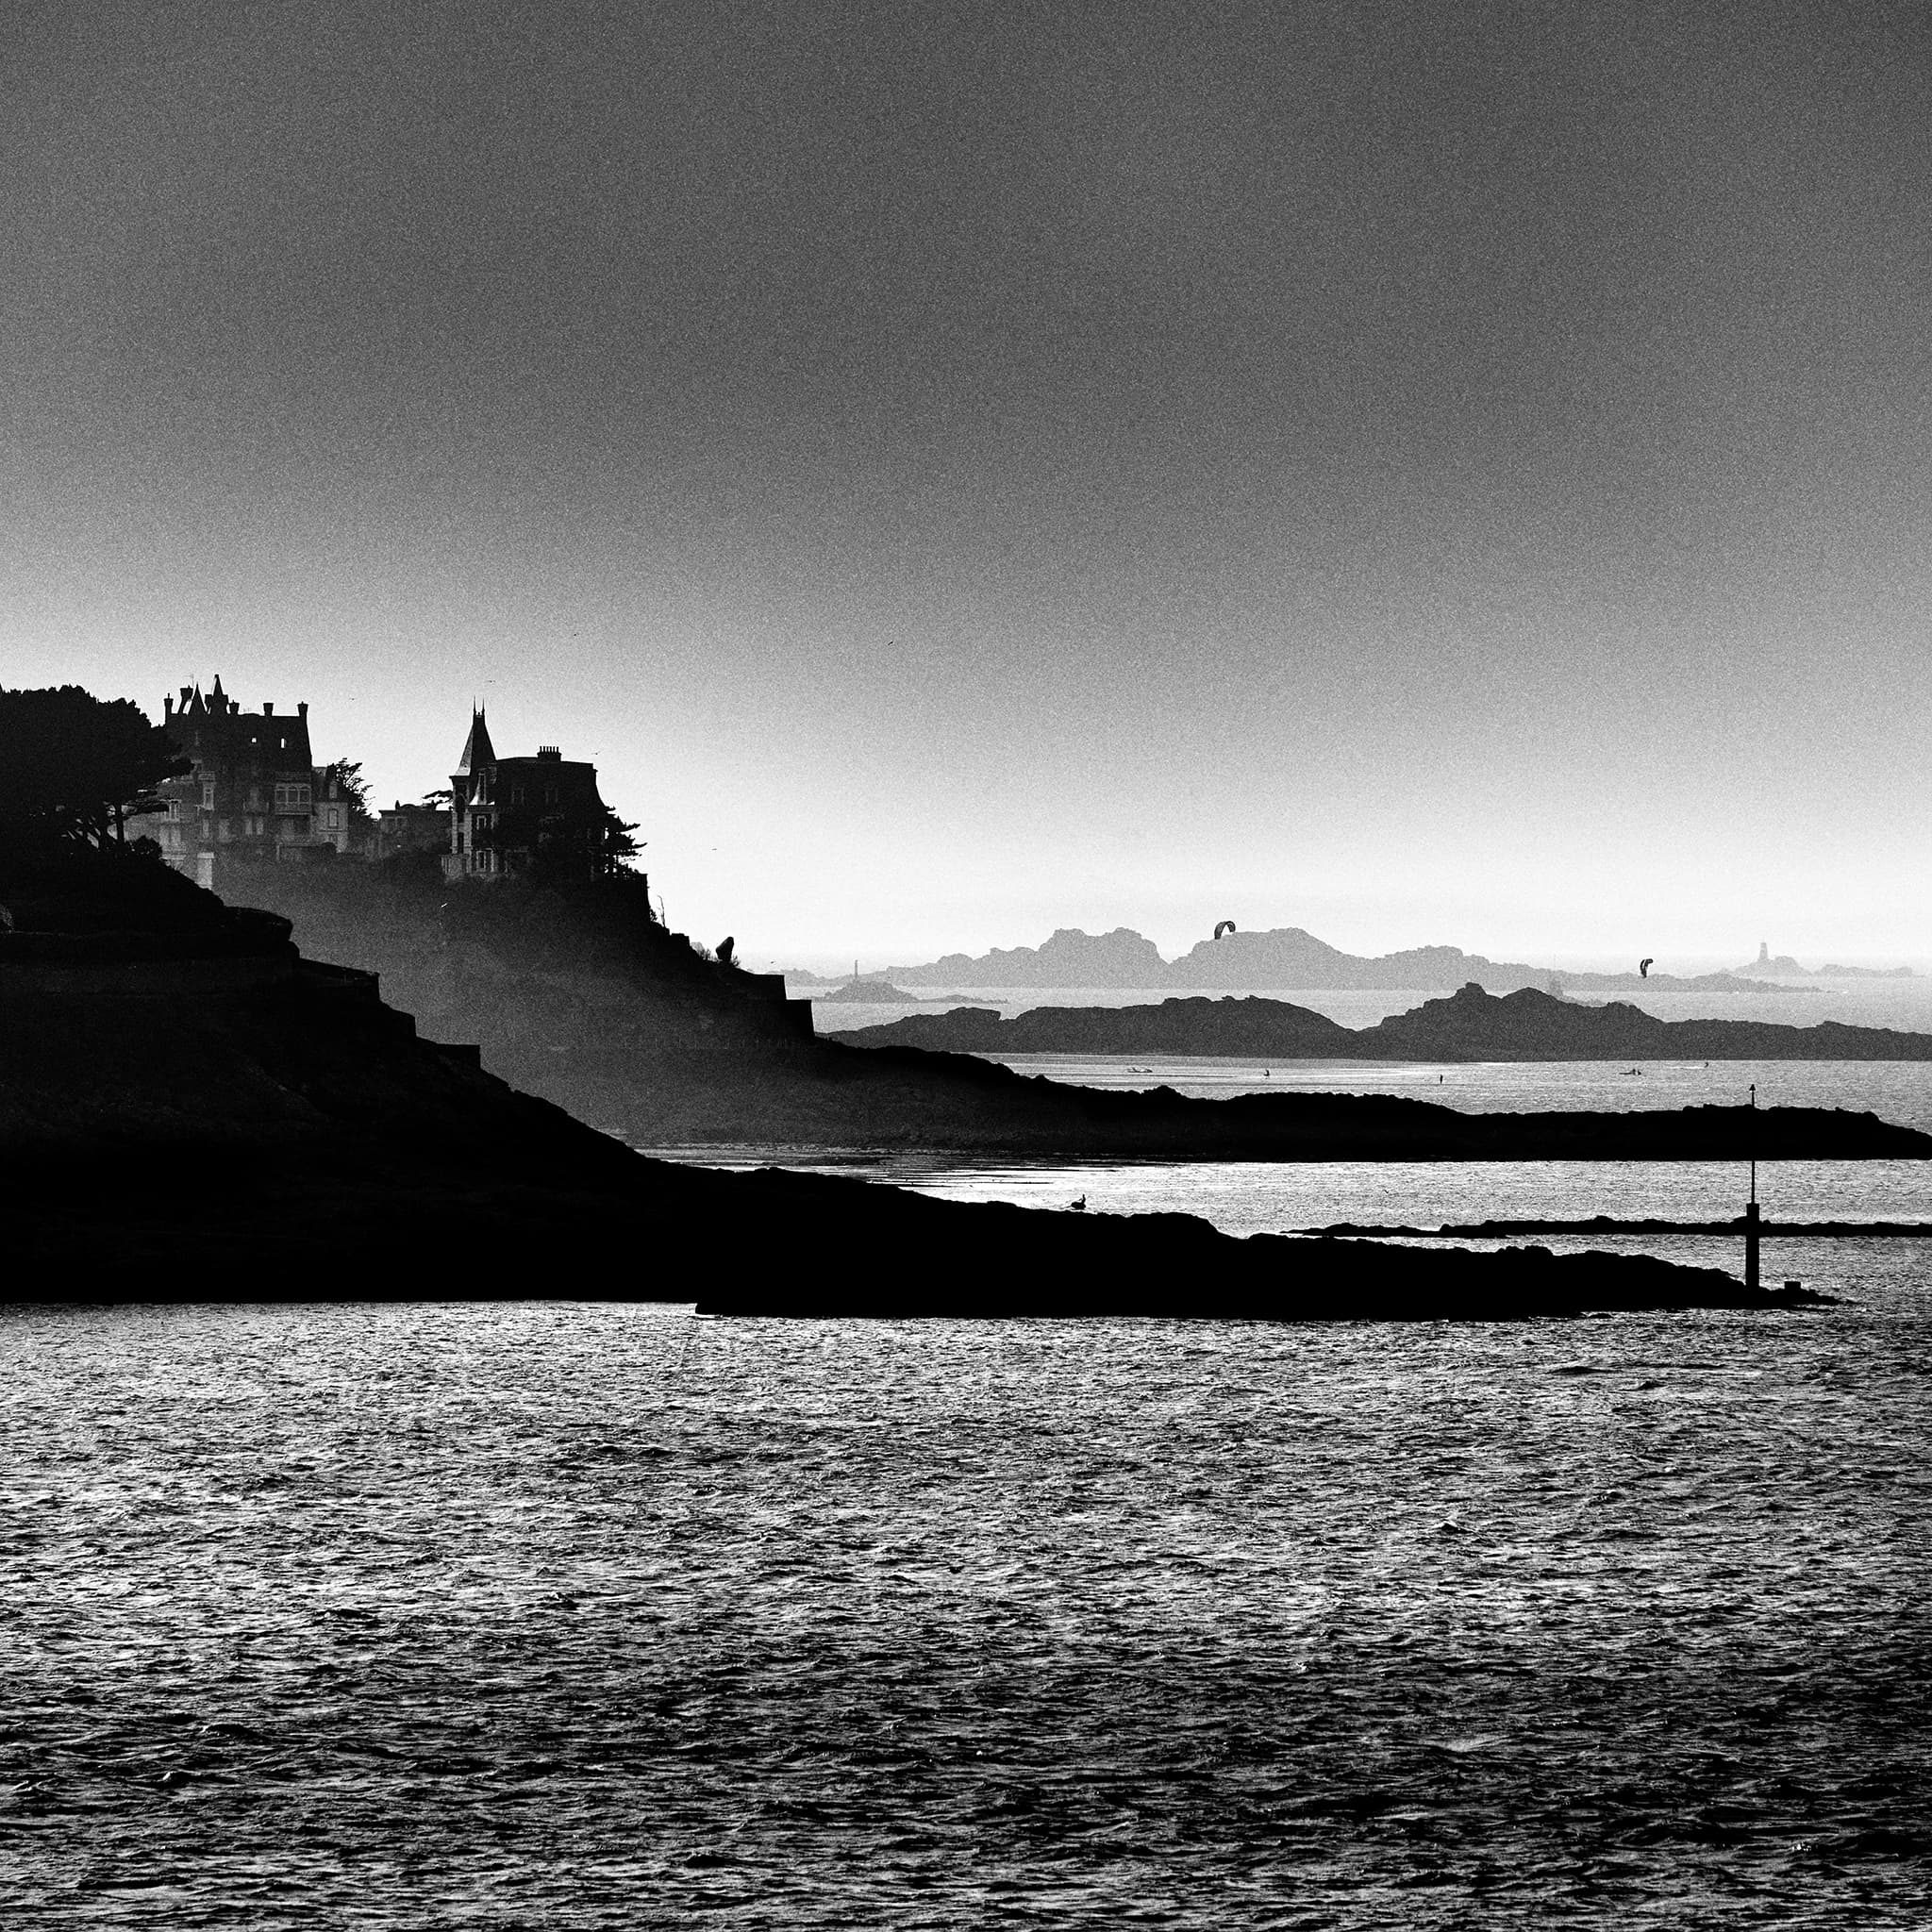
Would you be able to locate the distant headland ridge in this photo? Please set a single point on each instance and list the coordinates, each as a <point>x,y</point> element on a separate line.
<point>1471,1024</point>
<point>1290,958</point>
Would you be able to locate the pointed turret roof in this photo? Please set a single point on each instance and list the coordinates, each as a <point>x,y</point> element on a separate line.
<point>478,749</point>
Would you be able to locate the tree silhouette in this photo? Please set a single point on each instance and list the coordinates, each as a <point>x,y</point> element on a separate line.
<point>618,847</point>
<point>355,791</point>
<point>73,768</point>
<point>554,844</point>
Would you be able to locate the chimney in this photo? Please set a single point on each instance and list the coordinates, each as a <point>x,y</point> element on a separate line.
<point>167,709</point>
<point>302,710</point>
<point>187,693</point>
<point>268,711</point>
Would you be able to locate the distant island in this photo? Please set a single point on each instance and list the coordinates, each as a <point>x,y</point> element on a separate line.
<point>870,991</point>
<point>1471,1024</point>
<point>1785,967</point>
<point>1287,958</point>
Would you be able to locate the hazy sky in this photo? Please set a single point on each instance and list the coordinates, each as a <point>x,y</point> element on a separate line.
<point>1423,472</point>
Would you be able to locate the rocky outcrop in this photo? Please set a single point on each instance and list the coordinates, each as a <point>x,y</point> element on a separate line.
<point>1101,1269</point>
<point>1529,1026</point>
<point>869,993</point>
<point>533,975</point>
<point>1471,1024</point>
<point>1224,1026</point>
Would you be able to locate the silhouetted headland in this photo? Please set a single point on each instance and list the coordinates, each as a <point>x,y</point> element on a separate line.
<point>189,1110</point>
<point>1471,1024</point>
<point>578,994</point>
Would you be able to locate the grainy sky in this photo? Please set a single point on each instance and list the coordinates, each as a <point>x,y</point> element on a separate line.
<point>1423,472</point>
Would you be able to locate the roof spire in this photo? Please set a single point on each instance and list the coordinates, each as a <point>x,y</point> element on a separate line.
<point>478,749</point>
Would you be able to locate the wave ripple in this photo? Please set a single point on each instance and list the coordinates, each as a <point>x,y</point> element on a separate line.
<point>595,1616</point>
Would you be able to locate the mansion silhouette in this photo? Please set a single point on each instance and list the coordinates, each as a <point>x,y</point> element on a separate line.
<point>254,796</point>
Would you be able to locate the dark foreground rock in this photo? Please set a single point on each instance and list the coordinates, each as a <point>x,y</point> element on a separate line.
<point>295,1142</point>
<point>192,1112</point>
<point>1468,1026</point>
<point>1126,1266</point>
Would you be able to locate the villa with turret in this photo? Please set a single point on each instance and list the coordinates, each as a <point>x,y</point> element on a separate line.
<point>511,815</point>
<point>254,796</point>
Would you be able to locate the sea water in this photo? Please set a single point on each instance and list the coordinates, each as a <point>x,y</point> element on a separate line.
<point>1253,1197</point>
<point>572,1615</point>
<point>566,1614</point>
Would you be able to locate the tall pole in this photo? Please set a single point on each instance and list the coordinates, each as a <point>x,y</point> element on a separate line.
<point>1751,1278</point>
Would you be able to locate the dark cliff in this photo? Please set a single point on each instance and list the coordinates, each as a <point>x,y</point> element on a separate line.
<point>534,974</point>
<point>217,1118</point>
<point>584,1000</point>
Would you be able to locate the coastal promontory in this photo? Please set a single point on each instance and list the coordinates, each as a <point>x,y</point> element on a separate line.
<point>191,1110</point>
<point>580,996</point>
<point>1471,1024</point>
<point>194,1107</point>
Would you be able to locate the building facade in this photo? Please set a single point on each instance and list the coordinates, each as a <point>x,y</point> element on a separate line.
<point>332,818</point>
<point>251,795</point>
<point>523,814</point>
<point>401,828</point>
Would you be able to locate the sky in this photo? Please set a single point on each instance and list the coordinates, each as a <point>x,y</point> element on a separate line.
<point>1429,474</point>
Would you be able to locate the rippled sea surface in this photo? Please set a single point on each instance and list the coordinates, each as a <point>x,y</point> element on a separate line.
<point>574,1615</point>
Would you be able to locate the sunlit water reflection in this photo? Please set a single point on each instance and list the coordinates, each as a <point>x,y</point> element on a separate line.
<point>572,1615</point>
<point>599,1615</point>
